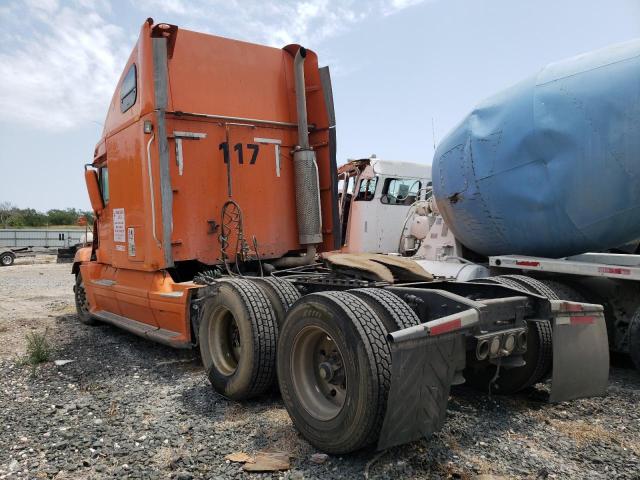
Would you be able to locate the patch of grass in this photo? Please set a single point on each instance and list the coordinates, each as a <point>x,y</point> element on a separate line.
<point>38,348</point>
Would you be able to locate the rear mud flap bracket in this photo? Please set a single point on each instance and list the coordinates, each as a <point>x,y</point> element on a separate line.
<point>421,375</point>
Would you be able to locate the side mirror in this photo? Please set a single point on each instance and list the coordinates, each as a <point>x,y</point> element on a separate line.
<point>93,187</point>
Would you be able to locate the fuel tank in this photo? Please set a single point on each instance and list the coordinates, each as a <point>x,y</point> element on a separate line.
<point>550,166</point>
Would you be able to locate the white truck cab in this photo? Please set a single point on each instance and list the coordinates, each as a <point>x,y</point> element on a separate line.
<point>374,197</point>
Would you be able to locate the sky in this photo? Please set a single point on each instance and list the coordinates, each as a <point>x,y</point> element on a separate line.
<point>401,69</point>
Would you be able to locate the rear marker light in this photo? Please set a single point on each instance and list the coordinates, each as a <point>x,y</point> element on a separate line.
<point>510,343</point>
<point>522,340</point>
<point>494,348</point>
<point>614,270</point>
<point>482,350</point>
<point>527,263</point>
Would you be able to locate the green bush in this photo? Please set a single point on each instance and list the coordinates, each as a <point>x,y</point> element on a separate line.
<point>38,348</point>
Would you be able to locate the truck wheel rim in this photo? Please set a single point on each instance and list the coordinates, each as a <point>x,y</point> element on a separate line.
<point>318,373</point>
<point>224,337</point>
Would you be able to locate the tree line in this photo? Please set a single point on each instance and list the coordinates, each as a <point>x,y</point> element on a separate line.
<point>14,217</point>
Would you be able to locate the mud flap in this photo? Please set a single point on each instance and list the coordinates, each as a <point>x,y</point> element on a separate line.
<point>422,371</point>
<point>580,356</point>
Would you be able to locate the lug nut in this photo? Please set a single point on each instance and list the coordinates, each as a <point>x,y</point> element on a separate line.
<point>325,371</point>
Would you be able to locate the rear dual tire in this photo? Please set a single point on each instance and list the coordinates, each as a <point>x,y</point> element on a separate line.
<point>281,293</point>
<point>340,410</point>
<point>238,336</point>
<point>333,364</point>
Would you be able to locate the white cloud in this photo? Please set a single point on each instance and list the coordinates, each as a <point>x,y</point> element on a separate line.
<point>60,60</point>
<point>61,65</point>
<point>274,22</point>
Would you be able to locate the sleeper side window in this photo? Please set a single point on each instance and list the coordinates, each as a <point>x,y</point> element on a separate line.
<point>104,184</point>
<point>128,89</point>
<point>400,191</point>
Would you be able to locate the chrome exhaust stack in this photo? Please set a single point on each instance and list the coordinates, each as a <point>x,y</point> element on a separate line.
<point>307,183</point>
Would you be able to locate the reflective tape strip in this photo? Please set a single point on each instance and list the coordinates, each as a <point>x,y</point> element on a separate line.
<point>451,323</point>
<point>576,320</point>
<point>582,320</point>
<point>572,307</point>
<point>449,326</point>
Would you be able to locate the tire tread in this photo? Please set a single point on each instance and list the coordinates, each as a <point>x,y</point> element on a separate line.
<point>265,334</point>
<point>399,314</point>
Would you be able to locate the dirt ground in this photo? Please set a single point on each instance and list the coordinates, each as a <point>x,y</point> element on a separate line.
<point>128,408</point>
<point>34,291</point>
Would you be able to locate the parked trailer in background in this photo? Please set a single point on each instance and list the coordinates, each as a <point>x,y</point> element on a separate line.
<point>21,242</point>
<point>40,237</point>
<point>9,255</point>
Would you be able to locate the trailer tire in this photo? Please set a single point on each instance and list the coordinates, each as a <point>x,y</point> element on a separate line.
<point>508,282</point>
<point>534,286</point>
<point>389,307</point>
<point>634,338</point>
<point>326,330</point>
<point>280,292</point>
<point>82,303</point>
<point>564,291</point>
<point>238,337</point>
<point>7,259</point>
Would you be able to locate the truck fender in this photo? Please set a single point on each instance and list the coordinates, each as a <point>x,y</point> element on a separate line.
<point>82,255</point>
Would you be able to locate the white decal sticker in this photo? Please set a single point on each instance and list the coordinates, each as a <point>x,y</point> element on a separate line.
<point>118,225</point>
<point>131,235</point>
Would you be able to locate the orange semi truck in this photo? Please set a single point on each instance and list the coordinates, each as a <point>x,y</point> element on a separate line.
<point>215,191</point>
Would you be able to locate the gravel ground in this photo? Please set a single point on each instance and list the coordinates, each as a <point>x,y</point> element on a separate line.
<point>125,407</point>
